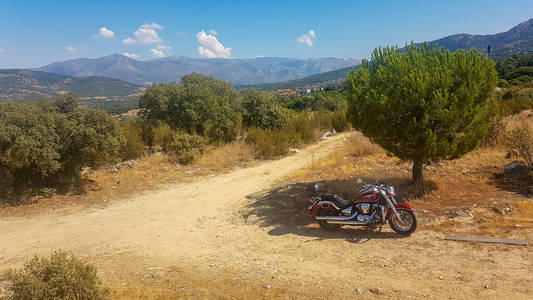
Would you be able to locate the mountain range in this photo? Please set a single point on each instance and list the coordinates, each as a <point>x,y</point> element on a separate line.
<point>517,40</point>
<point>16,84</point>
<point>238,71</point>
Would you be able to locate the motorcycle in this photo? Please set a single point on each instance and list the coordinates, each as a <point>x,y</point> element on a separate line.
<point>374,206</point>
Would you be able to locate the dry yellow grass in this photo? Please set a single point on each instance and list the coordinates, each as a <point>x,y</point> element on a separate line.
<point>235,154</point>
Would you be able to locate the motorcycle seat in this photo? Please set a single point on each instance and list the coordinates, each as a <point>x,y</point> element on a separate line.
<point>336,199</point>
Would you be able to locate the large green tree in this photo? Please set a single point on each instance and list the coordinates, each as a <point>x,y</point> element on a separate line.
<point>197,105</point>
<point>425,104</point>
<point>261,110</point>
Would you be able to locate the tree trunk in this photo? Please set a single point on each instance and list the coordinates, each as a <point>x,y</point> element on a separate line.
<point>418,177</point>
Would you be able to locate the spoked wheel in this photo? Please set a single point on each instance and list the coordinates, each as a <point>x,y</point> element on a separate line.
<point>323,223</point>
<point>408,223</point>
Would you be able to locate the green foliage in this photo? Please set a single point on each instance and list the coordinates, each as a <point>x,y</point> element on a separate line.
<point>424,105</point>
<point>301,129</point>
<point>133,145</point>
<point>163,135</point>
<point>47,144</point>
<point>261,110</point>
<point>330,101</point>
<point>515,105</point>
<point>61,276</point>
<point>186,148</point>
<point>339,121</point>
<point>197,105</point>
<point>516,69</point>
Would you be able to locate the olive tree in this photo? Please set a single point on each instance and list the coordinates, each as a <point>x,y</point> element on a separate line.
<point>425,104</point>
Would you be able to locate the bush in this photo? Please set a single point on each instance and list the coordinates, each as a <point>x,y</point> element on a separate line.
<point>339,121</point>
<point>47,145</point>
<point>262,111</point>
<point>519,142</point>
<point>132,143</point>
<point>197,105</point>
<point>186,148</point>
<point>163,135</point>
<point>61,276</point>
<point>269,143</point>
<point>516,105</point>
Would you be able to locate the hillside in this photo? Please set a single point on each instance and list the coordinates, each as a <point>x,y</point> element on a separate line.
<point>29,85</point>
<point>334,77</point>
<point>238,71</point>
<point>517,40</point>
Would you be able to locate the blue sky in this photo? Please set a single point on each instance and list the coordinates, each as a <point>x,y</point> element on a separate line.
<point>35,33</point>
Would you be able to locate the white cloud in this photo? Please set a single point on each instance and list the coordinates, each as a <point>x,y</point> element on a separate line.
<point>211,47</point>
<point>106,33</point>
<point>157,53</point>
<point>307,39</point>
<point>206,52</point>
<point>131,55</point>
<point>213,32</point>
<point>146,34</point>
<point>70,48</point>
<point>163,47</point>
<point>260,55</point>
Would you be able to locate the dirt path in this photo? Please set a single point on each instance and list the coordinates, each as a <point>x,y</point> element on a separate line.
<point>200,226</point>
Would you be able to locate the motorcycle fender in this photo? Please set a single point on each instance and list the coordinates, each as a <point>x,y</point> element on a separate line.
<point>396,206</point>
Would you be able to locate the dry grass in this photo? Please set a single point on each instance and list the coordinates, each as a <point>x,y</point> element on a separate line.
<point>236,154</point>
<point>514,121</point>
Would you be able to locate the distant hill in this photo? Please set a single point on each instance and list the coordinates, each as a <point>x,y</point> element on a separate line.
<point>30,85</point>
<point>238,71</point>
<point>335,77</point>
<point>518,40</point>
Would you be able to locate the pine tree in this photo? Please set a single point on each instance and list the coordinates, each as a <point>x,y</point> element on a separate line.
<point>425,104</point>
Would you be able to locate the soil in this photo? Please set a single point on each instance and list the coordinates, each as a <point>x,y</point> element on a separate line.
<point>227,228</point>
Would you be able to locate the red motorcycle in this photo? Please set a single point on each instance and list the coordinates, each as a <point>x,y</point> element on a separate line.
<point>375,206</point>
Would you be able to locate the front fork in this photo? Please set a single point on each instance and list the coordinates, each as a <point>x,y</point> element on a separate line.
<point>391,202</point>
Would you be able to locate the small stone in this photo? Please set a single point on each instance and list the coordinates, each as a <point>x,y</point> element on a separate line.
<point>359,291</point>
<point>376,291</point>
<point>482,220</point>
<point>267,286</point>
<point>441,277</point>
<point>486,286</point>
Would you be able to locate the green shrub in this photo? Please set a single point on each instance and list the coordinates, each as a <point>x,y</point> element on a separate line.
<point>339,121</point>
<point>186,147</point>
<point>515,105</point>
<point>163,135</point>
<point>47,145</point>
<point>61,276</point>
<point>132,144</point>
<point>262,111</point>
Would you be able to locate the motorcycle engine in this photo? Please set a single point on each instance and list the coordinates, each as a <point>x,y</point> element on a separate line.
<point>363,208</point>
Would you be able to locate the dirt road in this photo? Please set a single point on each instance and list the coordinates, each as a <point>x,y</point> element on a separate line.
<point>202,227</point>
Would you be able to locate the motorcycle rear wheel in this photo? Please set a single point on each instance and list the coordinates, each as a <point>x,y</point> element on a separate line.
<point>409,223</point>
<point>323,223</point>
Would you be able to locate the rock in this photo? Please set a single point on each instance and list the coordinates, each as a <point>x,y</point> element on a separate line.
<point>267,286</point>
<point>508,155</point>
<point>459,213</point>
<point>516,170</point>
<point>359,291</point>
<point>376,291</point>
<point>441,277</point>
<point>482,220</point>
<point>127,164</point>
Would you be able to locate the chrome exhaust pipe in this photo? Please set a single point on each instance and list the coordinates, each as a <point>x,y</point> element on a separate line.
<point>353,222</point>
<point>327,204</point>
<point>336,218</point>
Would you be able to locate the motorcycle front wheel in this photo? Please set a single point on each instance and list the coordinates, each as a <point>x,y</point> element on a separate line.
<point>408,223</point>
<point>323,223</point>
